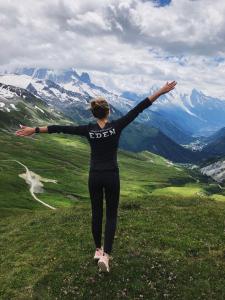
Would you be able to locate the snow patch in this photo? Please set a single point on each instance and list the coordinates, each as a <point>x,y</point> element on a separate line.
<point>38,108</point>
<point>35,181</point>
<point>21,81</point>
<point>5,93</point>
<point>13,106</point>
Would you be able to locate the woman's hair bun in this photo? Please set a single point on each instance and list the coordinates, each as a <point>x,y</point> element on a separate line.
<point>92,104</point>
<point>99,107</point>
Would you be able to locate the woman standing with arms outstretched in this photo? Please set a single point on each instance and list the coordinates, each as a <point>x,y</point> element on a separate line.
<point>104,180</point>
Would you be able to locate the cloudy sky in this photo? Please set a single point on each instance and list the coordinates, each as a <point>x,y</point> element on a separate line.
<point>123,44</point>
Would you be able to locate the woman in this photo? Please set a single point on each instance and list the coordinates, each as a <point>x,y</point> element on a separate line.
<point>104,179</point>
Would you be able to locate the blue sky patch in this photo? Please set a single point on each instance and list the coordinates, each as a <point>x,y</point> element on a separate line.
<point>162,2</point>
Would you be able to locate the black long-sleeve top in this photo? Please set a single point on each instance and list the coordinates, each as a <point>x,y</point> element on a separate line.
<point>103,141</point>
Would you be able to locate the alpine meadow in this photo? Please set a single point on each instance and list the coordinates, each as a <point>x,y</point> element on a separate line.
<point>69,66</point>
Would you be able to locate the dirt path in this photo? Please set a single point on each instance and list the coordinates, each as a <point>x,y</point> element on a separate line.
<point>221,187</point>
<point>34,180</point>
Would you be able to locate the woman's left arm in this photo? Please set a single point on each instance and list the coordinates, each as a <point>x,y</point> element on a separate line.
<point>134,112</point>
<point>163,90</point>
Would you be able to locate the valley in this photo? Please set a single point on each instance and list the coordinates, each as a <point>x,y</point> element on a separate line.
<point>171,212</point>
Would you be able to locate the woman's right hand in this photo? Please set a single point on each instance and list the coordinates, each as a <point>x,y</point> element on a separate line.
<point>25,131</point>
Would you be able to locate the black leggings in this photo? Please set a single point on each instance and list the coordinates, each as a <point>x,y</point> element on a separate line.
<point>104,182</point>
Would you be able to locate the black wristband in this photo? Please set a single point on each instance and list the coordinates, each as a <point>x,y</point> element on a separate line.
<point>37,130</point>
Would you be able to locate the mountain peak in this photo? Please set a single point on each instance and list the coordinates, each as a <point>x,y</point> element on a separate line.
<point>25,71</point>
<point>85,77</point>
<point>49,74</point>
<point>196,92</point>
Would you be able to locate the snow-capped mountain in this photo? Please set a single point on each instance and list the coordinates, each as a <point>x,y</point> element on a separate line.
<point>7,99</point>
<point>71,93</point>
<point>66,90</point>
<point>19,106</point>
<point>62,87</point>
<point>194,112</point>
<point>179,115</point>
<point>22,107</point>
<point>10,96</point>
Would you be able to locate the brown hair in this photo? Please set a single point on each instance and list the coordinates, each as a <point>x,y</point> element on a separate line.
<point>99,107</point>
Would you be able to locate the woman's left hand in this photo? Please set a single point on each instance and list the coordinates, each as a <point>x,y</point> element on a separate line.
<point>167,87</point>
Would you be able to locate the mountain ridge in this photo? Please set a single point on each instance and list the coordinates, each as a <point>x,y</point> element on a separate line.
<point>153,139</point>
<point>195,113</point>
<point>71,92</point>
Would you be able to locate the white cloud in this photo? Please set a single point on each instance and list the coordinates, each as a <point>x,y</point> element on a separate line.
<point>123,44</point>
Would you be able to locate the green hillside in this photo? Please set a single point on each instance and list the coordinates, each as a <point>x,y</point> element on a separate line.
<point>29,113</point>
<point>65,158</point>
<point>169,242</point>
<point>156,141</point>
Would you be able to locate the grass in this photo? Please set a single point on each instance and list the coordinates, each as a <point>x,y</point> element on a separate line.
<point>164,249</point>
<point>218,197</point>
<point>188,190</point>
<point>169,244</point>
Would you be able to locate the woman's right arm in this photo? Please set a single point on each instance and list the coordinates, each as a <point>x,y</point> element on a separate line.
<point>70,129</point>
<point>26,131</point>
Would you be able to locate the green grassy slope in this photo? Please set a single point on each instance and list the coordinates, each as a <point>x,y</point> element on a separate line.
<point>157,142</point>
<point>65,158</point>
<point>28,115</point>
<point>164,249</point>
<point>169,243</point>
